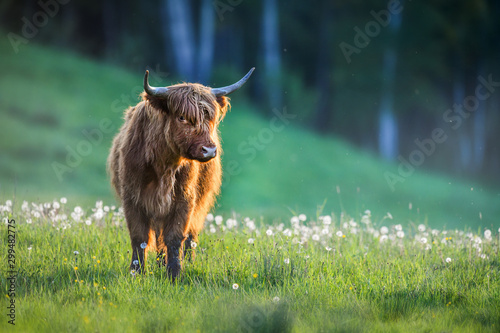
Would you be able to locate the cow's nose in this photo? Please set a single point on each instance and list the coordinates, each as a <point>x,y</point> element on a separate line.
<point>209,152</point>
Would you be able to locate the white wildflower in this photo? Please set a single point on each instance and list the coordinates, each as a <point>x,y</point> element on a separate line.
<point>218,220</point>
<point>63,200</point>
<point>448,260</point>
<point>250,241</point>
<point>56,205</point>
<point>269,232</point>
<point>294,220</point>
<point>276,299</point>
<point>400,234</point>
<point>487,234</point>
<point>423,240</point>
<point>287,261</point>
<point>327,219</point>
<point>398,227</point>
<point>383,238</point>
<point>421,227</point>
<point>384,230</point>
<point>210,217</point>
<point>328,248</point>
<point>235,286</point>
<point>193,245</point>
<point>339,233</point>
<point>29,221</point>
<point>88,222</point>
<point>315,237</point>
<point>287,232</point>
<point>302,217</point>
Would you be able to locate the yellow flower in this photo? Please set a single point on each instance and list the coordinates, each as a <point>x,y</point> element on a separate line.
<point>76,268</point>
<point>86,319</point>
<point>65,259</point>
<point>96,284</point>
<point>104,288</point>
<point>83,299</point>
<point>98,261</point>
<point>93,257</point>
<point>255,275</point>
<point>98,294</point>
<point>343,236</point>
<point>350,288</point>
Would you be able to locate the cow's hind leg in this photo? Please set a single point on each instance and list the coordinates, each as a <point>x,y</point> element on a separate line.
<point>138,225</point>
<point>189,246</point>
<point>160,250</point>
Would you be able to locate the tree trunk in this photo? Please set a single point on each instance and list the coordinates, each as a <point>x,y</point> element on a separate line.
<point>178,25</point>
<point>206,42</point>
<point>272,60</point>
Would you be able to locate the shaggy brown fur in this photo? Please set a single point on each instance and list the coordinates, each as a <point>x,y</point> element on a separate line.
<point>159,171</point>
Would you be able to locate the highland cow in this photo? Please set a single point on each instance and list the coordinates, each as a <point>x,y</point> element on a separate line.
<point>165,167</point>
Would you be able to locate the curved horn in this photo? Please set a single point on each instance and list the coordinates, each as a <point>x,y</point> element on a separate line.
<point>229,89</point>
<point>153,91</point>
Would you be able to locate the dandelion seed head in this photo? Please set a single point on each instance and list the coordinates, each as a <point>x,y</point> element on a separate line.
<point>315,237</point>
<point>400,234</point>
<point>88,222</point>
<point>327,220</point>
<point>339,233</point>
<point>294,220</point>
<point>269,232</point>
<point>193,245</point>
<point>487,234</point>
<point>421,227</point>
<point>144,245</point>
<point>250,241</point>
<point>384,230</point>
<point>287,261</point>
<point>448,260</point>
<point>398,227</point>
<point>135,262</point>
<point>210,217</point>
<point>29,221</point>
<point>76,253</point>
<point>235,286</point>
<point>423,240</point>
<point>276,299</point>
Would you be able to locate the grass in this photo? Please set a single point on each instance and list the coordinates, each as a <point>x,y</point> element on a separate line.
<point>321,273</point>
<point>51,97</point>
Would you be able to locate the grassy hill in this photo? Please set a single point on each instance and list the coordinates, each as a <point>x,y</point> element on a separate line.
<point>55,103</point>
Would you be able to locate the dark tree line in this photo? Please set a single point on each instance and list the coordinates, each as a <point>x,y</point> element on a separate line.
<point>395,85</point>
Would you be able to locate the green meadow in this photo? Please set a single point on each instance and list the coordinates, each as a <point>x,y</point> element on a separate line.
<point>421,257</point>
<point>311,274</point>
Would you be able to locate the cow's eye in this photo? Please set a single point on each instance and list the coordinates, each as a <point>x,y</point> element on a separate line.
<point>182,119</point>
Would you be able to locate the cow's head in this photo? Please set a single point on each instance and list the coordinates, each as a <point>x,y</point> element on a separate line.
<point>193,112</point>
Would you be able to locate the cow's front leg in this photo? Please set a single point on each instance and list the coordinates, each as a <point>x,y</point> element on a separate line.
<point>173,243</point>
<point>138,226</point>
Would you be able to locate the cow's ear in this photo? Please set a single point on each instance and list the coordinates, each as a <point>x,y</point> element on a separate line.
<point>223,102</point>
<point>156,102</point>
